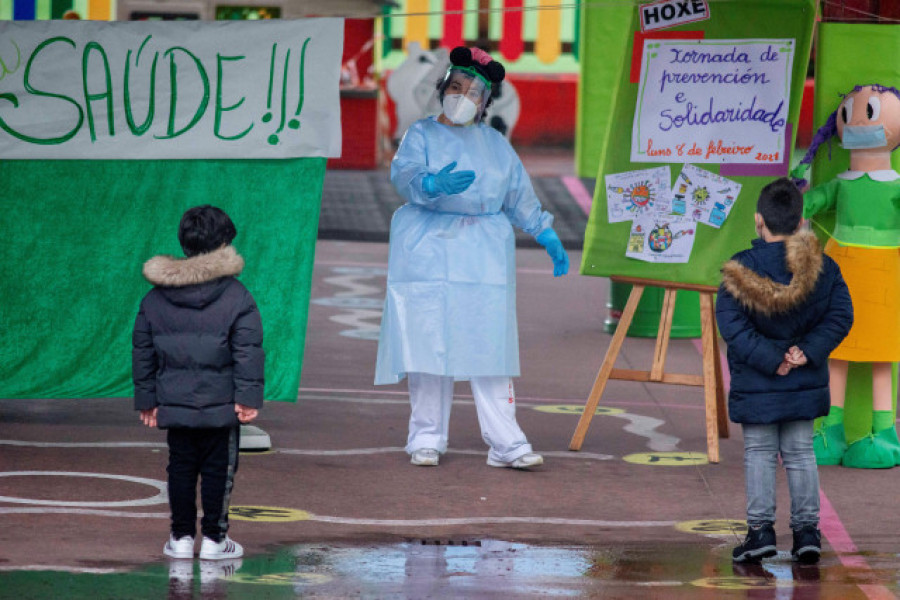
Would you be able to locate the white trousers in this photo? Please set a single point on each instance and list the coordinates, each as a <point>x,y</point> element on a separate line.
<point>431,396</point>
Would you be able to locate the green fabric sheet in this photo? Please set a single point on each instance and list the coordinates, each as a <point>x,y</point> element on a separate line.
<point>76,235</point>
<point>605,243</point>
<point>605,45</point>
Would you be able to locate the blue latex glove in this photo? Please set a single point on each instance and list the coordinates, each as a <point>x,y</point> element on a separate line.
<point>447,182</point>
<point>549,240</point>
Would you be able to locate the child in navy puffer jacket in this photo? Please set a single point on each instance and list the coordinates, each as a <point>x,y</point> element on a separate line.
<point>197,365</point>
<point>782,308</point>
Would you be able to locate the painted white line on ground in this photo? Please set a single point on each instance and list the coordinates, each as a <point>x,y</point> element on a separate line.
<point>64,569</point>
<point>295,451</point>
<point>523,401</point>
<point>160,498</point>
<point>355,451</point>
<point>646,427</point>
<point>488,521</point>
<point>346,452</point>
<point>83,444</point>
<point>51,510</point>
<point>373,522</point>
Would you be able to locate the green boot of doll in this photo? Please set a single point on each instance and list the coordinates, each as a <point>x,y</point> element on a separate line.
<point>829,444</point>
<point>878,450</point>
<point>888,437</point>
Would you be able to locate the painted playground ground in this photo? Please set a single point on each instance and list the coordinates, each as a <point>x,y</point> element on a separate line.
<point>335,510</point>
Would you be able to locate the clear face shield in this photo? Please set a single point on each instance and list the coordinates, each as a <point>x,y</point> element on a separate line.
<point>465,95</point>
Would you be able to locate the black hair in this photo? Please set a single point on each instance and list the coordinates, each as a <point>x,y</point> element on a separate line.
<point>780,205</point>
<point>204,229</point>
<point>492,71</point>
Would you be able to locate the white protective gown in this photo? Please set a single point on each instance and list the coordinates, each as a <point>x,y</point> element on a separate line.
<point>450,307</point>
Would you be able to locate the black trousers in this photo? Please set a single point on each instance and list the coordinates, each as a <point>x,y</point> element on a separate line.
<point>211,455</point>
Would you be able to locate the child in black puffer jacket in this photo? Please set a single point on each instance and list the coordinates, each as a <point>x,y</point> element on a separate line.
<point>197,365</point>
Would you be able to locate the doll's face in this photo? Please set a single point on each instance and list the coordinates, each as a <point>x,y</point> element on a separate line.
<point>867,108</point>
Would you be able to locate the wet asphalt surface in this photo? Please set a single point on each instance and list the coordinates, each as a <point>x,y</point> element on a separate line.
<point>335,510</point>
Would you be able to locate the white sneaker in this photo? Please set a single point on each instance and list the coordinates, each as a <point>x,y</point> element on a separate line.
<point>526,461</point>
<point>227,548</point>
<point>425,457</point>
<point>181,548</point>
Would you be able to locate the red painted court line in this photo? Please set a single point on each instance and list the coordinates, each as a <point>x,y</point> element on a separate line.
<point>833,529</point>
<point>579,192</point>
<point>839,540</point>
<point>829,521</point>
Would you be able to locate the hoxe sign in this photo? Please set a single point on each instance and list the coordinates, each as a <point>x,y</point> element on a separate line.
<point>669,13</point>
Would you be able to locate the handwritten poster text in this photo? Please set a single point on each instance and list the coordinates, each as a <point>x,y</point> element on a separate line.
<point>713,101</point>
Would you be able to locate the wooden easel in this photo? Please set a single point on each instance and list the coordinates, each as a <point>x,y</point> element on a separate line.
<point>711,380</point>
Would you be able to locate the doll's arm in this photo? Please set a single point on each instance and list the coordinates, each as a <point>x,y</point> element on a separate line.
<point>820,198</point>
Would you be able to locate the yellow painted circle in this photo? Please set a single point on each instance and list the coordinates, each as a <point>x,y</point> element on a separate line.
<point>576,409</point>
<point>726,527</point>
<point>267,514</point>
<point>667,459</point>
<point>281,578</point>
<point>738,583</point>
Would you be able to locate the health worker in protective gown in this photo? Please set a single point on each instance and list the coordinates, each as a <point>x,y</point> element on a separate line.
<point>450,307</point>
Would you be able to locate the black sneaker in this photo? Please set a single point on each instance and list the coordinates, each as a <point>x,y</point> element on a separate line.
<point>807,545</point>
<point>759,544</point>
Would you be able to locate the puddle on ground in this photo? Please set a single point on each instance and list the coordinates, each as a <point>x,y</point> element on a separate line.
<point>483,569</point>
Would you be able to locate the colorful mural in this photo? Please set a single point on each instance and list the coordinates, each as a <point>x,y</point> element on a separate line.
<point>533,36</point>
<point>30,10</point>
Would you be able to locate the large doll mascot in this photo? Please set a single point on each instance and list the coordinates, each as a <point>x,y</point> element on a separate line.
<point>865,242</point>
<point>450,307</point>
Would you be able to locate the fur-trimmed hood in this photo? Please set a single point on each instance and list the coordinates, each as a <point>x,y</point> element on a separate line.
<point>803,257</point>
<point>169,271</point>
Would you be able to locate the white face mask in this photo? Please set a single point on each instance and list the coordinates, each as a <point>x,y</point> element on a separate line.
<point>459,109</point>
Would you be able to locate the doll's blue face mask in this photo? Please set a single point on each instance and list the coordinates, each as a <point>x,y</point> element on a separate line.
<point>858,137</point>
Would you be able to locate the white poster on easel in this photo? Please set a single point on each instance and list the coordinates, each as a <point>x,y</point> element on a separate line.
<point>713,101</point>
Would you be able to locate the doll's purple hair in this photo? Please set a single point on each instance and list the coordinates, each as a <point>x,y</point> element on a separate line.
<point>828,131</point>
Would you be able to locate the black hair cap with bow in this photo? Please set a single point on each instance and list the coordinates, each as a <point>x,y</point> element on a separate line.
<point>492,71</point>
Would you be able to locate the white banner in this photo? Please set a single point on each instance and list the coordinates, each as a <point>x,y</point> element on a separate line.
<point>713,101</point>
<point>170,90</point>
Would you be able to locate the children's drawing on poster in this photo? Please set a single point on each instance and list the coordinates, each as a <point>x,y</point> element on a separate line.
<point>661,238</point>
<point>713,101</point>
<point>704,196</point>
<point>633,192</point>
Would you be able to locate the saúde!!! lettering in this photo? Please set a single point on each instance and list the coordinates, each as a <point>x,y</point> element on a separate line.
<point>94,54</point>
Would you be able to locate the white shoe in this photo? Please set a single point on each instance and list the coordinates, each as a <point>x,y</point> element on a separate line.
<point>227,548</point>
<point>181,548</point>
<point>526,461</point>
<point>425,457</point>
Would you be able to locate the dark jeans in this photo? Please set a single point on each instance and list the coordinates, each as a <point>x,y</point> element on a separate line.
<point>211,454</point>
